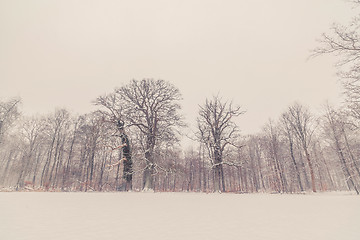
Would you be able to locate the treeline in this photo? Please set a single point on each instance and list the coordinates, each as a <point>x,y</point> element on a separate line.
<point>299,152</point>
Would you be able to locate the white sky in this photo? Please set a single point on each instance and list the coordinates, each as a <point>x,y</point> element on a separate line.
<point>67,53</point>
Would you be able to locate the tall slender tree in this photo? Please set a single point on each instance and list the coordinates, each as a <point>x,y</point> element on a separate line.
<point>300,120</point>
<point>217,130</point>
<point>335,130</point>
<point>290,138</point>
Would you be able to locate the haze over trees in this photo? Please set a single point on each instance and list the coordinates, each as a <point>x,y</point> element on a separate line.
<point>8,114</point>
<point>300,151</point>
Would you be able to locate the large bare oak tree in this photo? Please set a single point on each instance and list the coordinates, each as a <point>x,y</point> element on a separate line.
<point>152,108</point>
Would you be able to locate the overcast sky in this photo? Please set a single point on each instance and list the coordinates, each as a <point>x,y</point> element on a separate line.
<point>66,53</point>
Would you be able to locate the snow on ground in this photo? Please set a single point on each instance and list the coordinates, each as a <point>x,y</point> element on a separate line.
<point>171,216</point>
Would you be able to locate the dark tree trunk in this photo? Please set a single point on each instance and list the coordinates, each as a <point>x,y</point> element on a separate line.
<point>311,169</point>
<point>148,177</point>
<point>297,172</point>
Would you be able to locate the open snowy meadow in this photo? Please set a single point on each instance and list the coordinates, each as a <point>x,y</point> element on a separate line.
<point>40,216</point>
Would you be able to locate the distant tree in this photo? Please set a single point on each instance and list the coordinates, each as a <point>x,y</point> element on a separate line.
<point>256,145</point>
<point>71,152</point>
<point>8,113</point>
<point>302,124</point>
<point>272,134</point>
<point>290,139</point>
<point>335,130</point>
<point>56,130</point>
<point>152,107</point>
<point>217,130</point>
<point>32,134</point>
<point>91,128</point>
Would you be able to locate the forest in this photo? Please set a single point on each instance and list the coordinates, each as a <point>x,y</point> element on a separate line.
<point>298,152</point>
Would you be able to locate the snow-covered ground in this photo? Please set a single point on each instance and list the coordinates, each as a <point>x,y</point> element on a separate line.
<point>170,216</point>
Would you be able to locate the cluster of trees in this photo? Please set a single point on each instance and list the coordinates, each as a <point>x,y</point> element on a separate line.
<point>296,152</point>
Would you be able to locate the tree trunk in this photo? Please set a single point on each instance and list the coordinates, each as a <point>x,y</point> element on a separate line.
<point>295,164</point>
<point>148,178</point>
<point>219,183</point>
<point>68,164</point>
<point>349,179</point>
<point>350,152</point>
<point>311,169</point>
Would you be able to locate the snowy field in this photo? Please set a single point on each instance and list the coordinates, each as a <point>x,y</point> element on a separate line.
<point>87,216</point>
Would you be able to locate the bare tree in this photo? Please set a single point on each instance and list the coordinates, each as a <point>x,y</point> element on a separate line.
<point>274,147</point>
<point>300,120</point>
<point>336,130</point>
<point>68,164</point>
<point>8,113</point>
<point>57,131</point>
<point>217,130</point>
<point>289,135</point>
<point>91,129</point>
<point>151,106</point>
<point>344,43</point>
<point>31,134</point>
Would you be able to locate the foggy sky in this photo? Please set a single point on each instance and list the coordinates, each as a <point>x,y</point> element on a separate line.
<point>67,53</point>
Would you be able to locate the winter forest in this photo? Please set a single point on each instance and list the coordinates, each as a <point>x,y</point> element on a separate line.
<point>300,151</point>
